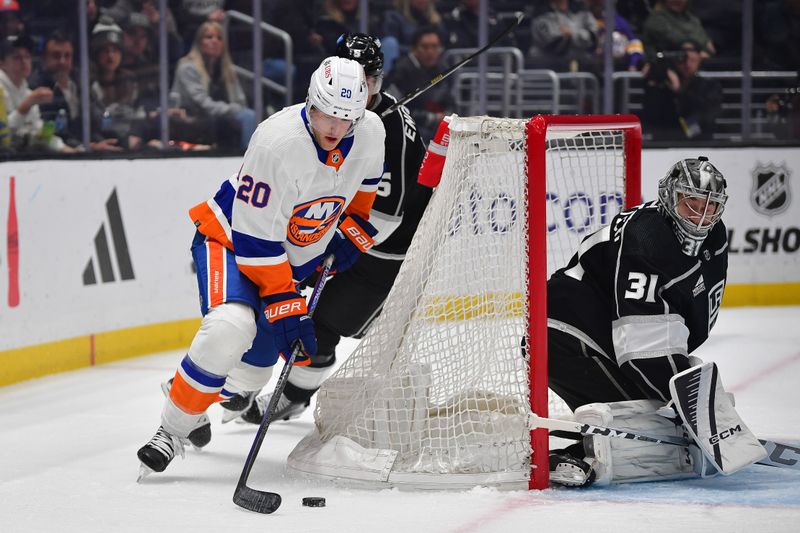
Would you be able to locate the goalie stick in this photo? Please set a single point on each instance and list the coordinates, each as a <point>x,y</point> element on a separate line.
<point>779,454</point>
<point>261,501</point>
<point>439,77</point>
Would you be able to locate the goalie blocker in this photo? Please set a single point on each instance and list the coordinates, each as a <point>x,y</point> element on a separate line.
<point>721,442</point>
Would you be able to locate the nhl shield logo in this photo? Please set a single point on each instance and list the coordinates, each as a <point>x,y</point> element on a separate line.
<point>770,195</point>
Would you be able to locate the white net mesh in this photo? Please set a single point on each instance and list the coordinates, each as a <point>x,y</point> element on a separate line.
<point>435,393</point>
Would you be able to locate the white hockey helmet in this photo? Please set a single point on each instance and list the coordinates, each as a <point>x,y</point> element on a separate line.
<point>339,88</point>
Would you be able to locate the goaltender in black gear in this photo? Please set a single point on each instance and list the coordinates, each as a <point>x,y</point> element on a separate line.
<point>624,315</point>
<point>353,299</point>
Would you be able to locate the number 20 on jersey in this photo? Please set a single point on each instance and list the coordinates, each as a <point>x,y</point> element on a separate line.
<point>255,193</point>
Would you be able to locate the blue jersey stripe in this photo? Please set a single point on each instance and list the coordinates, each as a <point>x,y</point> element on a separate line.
<point>303,271</point>
<point>249,246</point>
<point>371,181</point>
<point>201,376</point>
<point>224,199</point>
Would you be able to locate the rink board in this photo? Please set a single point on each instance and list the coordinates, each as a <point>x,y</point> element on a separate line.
<point>102,269</point>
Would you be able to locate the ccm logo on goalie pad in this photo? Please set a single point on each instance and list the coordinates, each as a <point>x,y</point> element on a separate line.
<point>280,310</point>
<point>730,432</point>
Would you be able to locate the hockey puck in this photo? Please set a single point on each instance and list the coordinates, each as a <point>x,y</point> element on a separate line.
<point>314,501</point>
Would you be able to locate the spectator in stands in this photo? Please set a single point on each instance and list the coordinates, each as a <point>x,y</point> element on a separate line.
<point>461,25</point>
<point>121,10</point>
<point>139,57</point>
<point>722,21</point>
<point>635,12</point>
<point>115,112</point>
<point>207,87</point>
<point>25,124</point>
<point>10,23</point>
<point>564,36</point>
<point>342,16</point>
<point>628,50</point>
<point>92,14</point>
<point>778,119</point>
<point>65,108</point>
<point>299,20</point>
<point>192,13</point>
<point>416,69</point>
<point>679,104</point>
<point>777,26</point>
<point>400,23</point>
<point>670,25</point>
<point>794,113</point>
<point>55,74</point>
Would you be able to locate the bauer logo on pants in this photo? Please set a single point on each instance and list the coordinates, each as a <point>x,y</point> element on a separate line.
<point>312,219</point>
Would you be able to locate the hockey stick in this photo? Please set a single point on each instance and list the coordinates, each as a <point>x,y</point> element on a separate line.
<point>439,77</point>
<point>779,454</point>
<point>249,498</point>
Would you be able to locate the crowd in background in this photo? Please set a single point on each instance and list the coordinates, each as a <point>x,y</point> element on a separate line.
<point>669,41</point>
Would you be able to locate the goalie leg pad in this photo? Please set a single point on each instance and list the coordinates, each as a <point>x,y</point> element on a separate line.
<point>711,420</point>
<point>625,461</point>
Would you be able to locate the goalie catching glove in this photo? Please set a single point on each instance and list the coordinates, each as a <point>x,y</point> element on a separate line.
<point>353,237</point>
<point>289,323</point>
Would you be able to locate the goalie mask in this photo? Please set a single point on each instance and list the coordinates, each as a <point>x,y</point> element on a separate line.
<point>365,49</point>
<point>338,88</point>
<point>693,195</point>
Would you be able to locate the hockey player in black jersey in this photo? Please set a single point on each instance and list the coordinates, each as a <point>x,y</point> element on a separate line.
<point>353,299</point>
<point>624,315</point>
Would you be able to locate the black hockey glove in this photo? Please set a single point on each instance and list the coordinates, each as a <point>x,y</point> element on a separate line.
<point>289,323</point>
<point>353,237</point>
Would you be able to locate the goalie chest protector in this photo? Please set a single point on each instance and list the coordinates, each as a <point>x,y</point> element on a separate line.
<point>635,267</point>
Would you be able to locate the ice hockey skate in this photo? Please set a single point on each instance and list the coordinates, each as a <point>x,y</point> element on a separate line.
<point>285,410</point>
<point>237,405</point>
<point>570,471</point>
<point>200,436</point>
<point>156,455</point>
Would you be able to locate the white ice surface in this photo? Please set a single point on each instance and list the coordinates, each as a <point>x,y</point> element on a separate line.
<point>68,462</point>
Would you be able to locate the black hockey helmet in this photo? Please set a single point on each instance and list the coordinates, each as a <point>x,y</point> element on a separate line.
<point>693,194</point>
<point>363,48</point>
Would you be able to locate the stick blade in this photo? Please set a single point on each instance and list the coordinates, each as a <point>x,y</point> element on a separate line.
<point>255,500</point>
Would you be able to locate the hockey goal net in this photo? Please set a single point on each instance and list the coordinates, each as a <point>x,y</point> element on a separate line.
<point>436,393</point>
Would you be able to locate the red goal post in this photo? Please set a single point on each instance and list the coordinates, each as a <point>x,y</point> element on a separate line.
<point>436,394</point>
<point>537,131</point>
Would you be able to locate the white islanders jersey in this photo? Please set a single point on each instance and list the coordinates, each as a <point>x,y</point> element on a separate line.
<point>281,210</point>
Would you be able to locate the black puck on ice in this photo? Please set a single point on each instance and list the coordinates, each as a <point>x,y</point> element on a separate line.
<point>314,501</point>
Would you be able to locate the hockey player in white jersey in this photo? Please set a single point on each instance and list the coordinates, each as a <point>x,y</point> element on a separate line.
<point>351,301</point>
<point>308,169</point>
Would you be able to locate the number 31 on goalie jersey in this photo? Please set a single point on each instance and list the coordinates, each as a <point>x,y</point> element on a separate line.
<point>642,286</point>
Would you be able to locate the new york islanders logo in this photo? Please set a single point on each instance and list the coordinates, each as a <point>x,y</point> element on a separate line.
<point>312,219</point>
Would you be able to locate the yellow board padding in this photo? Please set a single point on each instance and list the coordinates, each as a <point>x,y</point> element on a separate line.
<point>30,362</point>
<point>762,294</point>
<point>510,305</point>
